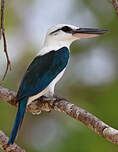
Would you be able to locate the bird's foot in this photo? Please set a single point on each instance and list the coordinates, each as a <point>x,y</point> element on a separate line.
<point>36,112</point>
<point>49,98</point>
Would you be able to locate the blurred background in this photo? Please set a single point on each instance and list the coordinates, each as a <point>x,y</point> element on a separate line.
<point>90,81</point>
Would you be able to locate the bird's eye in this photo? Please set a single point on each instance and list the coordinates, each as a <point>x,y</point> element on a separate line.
<point>66,29</point>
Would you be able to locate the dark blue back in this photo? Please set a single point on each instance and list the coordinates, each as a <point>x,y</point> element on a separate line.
<point>42,71</point>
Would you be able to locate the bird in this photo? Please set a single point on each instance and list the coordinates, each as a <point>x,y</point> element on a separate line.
<point>48,67</point>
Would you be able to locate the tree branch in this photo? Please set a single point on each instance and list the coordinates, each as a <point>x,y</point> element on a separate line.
<point>62,105</point>
<point>115,5</point>
<point>11,148</point>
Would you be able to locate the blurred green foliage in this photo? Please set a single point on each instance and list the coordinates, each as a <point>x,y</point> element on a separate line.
<point>54,131</point>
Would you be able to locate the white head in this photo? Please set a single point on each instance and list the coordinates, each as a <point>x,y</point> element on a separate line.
<point>64,34</point>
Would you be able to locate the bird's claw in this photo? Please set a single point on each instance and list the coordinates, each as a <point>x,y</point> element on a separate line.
<point>38,112</point>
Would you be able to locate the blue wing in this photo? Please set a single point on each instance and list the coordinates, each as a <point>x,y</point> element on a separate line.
<point>42,71</point>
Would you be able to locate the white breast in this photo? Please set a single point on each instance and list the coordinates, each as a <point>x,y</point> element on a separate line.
<point>49,90</point>
<point>53,83</point>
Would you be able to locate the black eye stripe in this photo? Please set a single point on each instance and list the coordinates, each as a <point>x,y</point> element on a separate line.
<point>54,31</point>
<point>64,29</point>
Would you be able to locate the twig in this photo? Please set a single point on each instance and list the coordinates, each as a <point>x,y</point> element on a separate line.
<point>62,105</point>
<point>115,4</point>
<point>2,34</point>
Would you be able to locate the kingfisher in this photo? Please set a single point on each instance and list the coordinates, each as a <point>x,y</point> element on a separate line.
<point>48,67</point>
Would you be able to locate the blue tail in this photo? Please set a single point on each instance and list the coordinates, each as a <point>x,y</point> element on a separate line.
<point>18,121</point>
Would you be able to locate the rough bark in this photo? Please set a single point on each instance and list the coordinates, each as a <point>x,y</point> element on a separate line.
<point>5,148</point>
<point>62,105</point>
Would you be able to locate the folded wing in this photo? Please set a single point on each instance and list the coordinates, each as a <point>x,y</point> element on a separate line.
<point>42,71</point>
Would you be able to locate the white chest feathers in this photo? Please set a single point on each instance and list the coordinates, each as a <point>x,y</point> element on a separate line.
<point>49,90</point>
